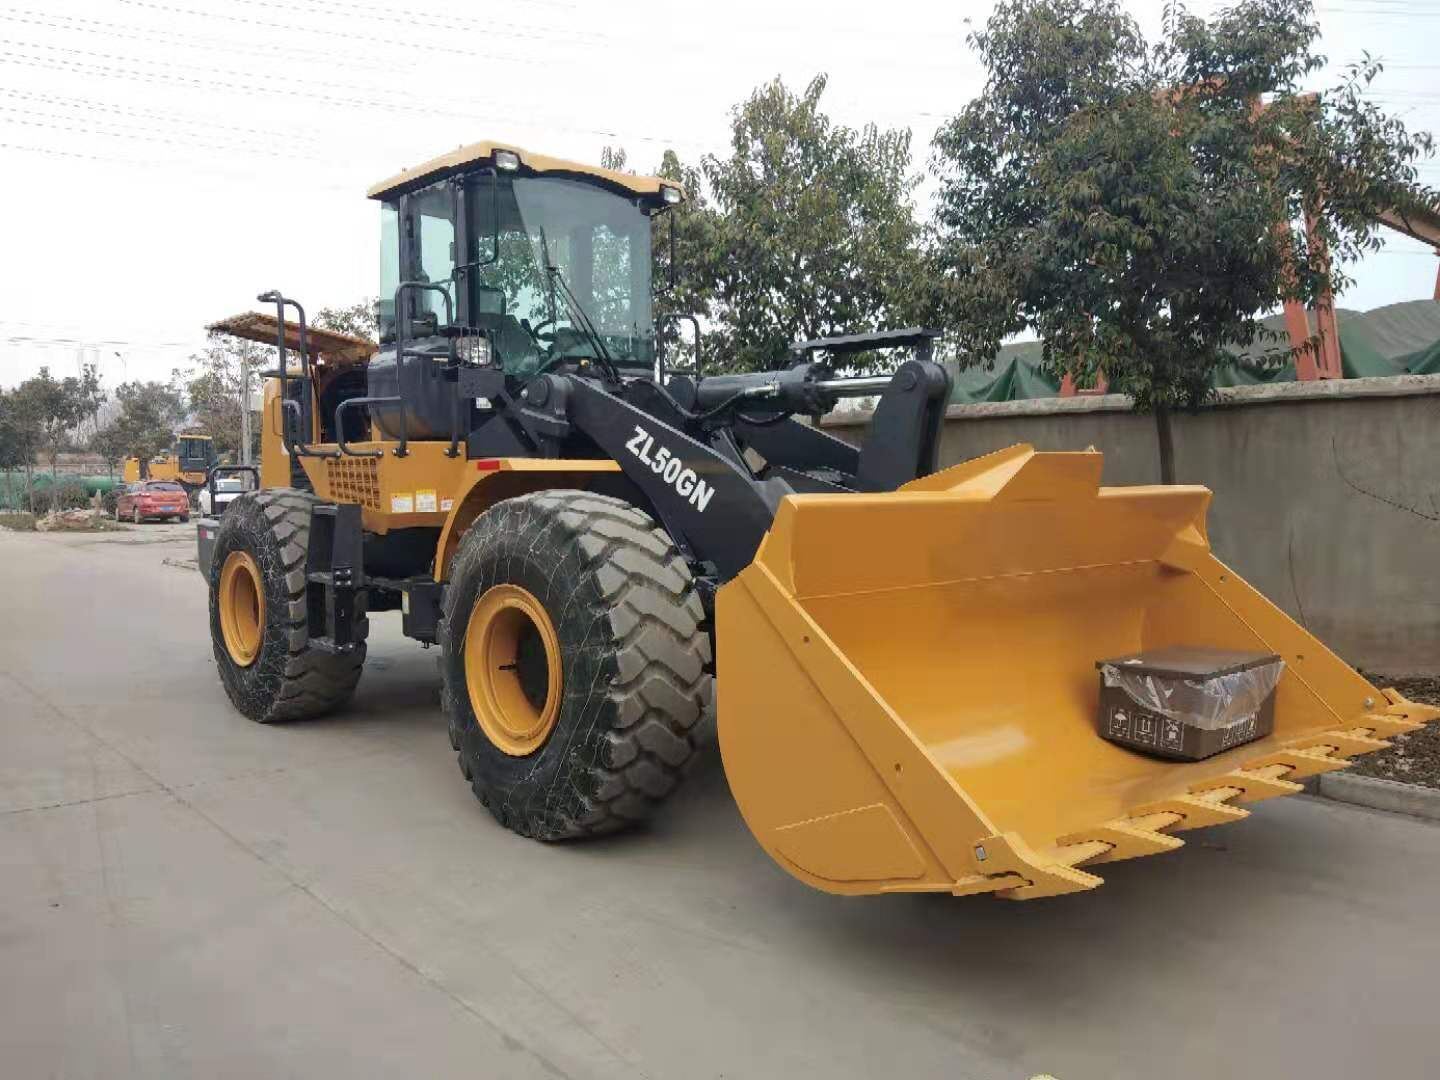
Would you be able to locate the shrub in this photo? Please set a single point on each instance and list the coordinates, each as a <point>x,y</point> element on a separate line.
<point>17,521</point>
<point>65,494</point>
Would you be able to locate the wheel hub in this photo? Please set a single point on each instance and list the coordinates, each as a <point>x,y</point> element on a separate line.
<point>512,669</point>
<point>242,607</point>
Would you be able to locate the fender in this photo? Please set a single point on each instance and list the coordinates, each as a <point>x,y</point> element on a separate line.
<point>490,480</point>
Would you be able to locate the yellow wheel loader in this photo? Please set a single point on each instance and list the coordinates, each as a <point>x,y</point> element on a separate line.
<point>977,679</point>
<point>187,463</point>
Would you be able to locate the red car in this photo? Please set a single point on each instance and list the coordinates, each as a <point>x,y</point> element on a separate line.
<point>153,499</point>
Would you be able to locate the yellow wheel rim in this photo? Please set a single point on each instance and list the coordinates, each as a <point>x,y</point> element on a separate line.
<point>242,607</point>
<point>512,669</point>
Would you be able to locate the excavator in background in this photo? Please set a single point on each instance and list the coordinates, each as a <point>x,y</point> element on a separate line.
<point>991,677</point>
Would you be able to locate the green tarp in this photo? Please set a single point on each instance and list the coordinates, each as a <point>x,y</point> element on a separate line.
<point>1367,344</point>
<point>1424,361</point>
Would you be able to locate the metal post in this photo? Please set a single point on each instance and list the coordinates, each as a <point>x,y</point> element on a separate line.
<point>244,404</point>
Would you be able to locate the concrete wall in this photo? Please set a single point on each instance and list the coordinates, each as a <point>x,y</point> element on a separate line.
<point>1327,495</point>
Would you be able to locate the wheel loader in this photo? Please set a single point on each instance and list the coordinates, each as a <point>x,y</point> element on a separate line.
<point>187,463</point>
<point>905,664</point>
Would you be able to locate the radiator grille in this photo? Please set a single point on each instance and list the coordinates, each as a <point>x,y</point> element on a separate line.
<point>354,480</point>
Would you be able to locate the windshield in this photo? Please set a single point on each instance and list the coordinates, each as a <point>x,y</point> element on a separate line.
<point>598,242</point>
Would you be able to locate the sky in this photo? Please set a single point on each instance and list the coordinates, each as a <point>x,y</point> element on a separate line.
<point>163,161</point>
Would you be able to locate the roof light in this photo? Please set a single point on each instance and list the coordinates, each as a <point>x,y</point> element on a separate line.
<point>507,160</point>
<point>669,195</point>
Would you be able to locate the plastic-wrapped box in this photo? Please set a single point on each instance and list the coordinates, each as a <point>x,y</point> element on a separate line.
<point>1188,703</point>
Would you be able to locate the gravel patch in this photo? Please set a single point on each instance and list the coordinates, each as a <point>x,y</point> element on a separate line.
<point>1414,758</point>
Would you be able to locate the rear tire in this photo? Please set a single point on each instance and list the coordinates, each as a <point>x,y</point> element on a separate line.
<point>635,684</point>
<point>286,679</point>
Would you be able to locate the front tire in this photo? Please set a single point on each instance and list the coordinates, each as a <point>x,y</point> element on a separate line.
<point>590,585</point>
<point>258,620</point>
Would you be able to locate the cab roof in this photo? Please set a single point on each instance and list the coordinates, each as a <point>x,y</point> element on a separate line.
<point>462,157</point>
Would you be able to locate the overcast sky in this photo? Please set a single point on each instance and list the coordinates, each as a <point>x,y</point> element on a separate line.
<point>162,161</point>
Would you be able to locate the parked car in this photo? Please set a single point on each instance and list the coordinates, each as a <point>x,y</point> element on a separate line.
<point>227,489</point>
<point>152,500</point>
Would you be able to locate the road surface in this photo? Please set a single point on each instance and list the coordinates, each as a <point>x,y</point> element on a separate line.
<point>184,893</point>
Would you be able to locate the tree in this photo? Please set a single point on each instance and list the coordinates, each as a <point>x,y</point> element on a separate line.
<point>214,386</point>
<point>1130,202</point>
<point>40,412</point>
<point>361,319</point>
<point>690,287</point>
<point>20,436</point>
<point>54,406</point>
<point>687,288</point>
<point>110,443</point>
<point>814,232</point>
<point>145,425</point>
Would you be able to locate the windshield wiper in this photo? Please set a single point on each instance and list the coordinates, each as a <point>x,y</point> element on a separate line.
<point>578,314</point>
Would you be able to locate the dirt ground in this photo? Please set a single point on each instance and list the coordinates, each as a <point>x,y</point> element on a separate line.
<point>1415,758</point>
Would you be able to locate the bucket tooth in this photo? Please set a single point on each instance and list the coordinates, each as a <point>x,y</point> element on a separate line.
<point>1343,743</point>
<point>1079,852</point>
<point>1384,725</point>
<point>1125,839</point>
<point>1196,811</point>
<point>1251,785</point>
<point>1044,873</point>
<point>975,884</point>
<point>1402,706</point>
<point>1301,763</point>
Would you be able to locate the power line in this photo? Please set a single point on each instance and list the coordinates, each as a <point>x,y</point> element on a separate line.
<point>72,24</point>
<point>309,91</point>
<point>411,17</point>
<point>91,105</point>
<point>142,134</point>
<point>292,28</point>
<point>151,164</point>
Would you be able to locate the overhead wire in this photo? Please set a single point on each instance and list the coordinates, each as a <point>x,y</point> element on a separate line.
<point>307,90</point>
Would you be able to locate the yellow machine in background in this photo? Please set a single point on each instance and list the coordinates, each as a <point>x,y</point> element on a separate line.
<point>902,660</point>
<point>187,462</point>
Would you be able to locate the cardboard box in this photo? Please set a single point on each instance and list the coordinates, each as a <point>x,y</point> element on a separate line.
<point>1188,703</point>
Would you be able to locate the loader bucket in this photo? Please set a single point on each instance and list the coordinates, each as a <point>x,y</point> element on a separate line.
<point>908,693</point>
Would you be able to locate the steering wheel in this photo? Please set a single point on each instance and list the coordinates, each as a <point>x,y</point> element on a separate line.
<point>538,332</point>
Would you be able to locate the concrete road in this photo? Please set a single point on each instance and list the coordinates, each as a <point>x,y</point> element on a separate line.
<point>184,893</point>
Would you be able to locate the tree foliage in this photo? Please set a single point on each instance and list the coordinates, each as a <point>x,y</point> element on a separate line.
<point>45,408</point>
<point>816,231</point>
<point>19,432</point>
<point>213,387</point>
<point>145,425</point>
<point>804,228</point>
<point>361,319</point>
<point>1129,202</point>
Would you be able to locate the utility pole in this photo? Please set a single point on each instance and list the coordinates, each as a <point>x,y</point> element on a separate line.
<point>244,404</point>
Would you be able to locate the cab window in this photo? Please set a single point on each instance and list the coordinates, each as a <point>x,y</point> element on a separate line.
<point>432,210</point>
<point>389,267</point>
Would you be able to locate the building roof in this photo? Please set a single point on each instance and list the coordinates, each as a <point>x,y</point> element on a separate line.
<point>463,156</point>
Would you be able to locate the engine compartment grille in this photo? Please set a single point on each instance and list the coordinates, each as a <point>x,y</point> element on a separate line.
<point>354,480</point>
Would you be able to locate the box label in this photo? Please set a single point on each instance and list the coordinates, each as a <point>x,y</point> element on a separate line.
<point>425,501</point>
<point>402,502</point>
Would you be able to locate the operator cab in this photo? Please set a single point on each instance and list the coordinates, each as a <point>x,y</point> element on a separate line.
<point>494,239</point>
